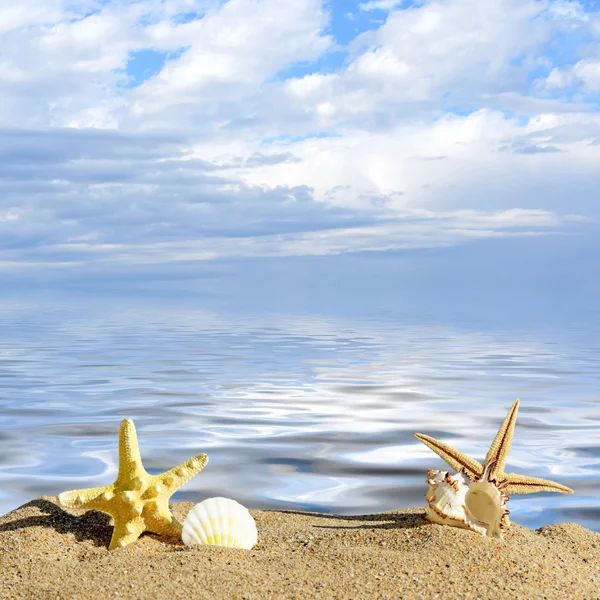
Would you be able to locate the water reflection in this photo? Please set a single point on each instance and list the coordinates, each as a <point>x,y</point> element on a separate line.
<point>294,412</point>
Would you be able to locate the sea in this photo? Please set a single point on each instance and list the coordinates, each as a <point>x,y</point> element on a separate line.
<point>296,410</point>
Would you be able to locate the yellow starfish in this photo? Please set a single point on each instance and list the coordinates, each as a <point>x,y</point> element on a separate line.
<point>495,462</point>
<point>137,501</point>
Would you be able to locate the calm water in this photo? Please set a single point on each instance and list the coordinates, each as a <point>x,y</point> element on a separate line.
<point>295,412</point>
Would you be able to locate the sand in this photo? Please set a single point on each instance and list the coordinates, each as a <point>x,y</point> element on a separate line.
<point>46,552</point>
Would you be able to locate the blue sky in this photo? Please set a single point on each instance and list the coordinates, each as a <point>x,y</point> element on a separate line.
<point>163,139</point>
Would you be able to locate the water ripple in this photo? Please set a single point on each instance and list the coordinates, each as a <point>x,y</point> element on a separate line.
<point>295,412</point>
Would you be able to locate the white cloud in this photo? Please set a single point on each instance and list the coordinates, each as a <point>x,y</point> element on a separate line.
<point>408,231</point>
<point>230,54</point>
<point>584,75</point>
<point>454,109</point>
<point>481,160</point>
<point>380,4</point>
<point>443,53</point>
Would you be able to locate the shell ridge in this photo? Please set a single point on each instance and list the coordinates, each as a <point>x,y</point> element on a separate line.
<point>209,524</point>
<point>196,527</point>
<point>221,522</point>
<point>232,538</point>
<point>202,520</point>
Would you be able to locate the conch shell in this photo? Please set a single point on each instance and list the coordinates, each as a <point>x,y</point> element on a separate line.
<point>479,506</point>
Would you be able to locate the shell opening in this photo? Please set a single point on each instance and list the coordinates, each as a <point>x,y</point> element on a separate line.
<point>483,503</point>
<point>486,503</point>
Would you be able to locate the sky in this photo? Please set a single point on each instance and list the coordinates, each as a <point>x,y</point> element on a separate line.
<point>377,147</point>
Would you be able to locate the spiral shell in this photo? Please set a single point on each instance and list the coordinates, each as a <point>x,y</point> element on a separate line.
<point>446,501</point>
<point>220,522</point>
<point>479,505</point>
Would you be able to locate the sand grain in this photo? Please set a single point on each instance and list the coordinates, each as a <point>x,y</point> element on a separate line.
<point>47,553</point>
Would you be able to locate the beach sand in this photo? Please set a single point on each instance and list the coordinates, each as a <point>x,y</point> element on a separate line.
<point>46,553</point>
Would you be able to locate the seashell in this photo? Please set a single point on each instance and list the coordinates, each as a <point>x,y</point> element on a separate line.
<point>485,503</point>
<point>446,501</point>
<point>220,522</point>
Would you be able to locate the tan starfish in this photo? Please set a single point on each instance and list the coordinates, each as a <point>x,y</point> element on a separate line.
<point>495,461</point>
<point>137,501</point>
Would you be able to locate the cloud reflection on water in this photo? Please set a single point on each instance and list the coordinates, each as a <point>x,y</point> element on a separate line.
<point>300,412</point>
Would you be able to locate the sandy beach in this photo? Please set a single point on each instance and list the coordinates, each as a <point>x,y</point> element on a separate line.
<point>46,552</point>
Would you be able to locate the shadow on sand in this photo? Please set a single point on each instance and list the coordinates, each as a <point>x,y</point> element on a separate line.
<point>93,525</point>
<point>393,520</point>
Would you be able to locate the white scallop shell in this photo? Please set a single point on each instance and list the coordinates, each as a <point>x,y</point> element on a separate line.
<point>446,501</point>
<point>220,522</point>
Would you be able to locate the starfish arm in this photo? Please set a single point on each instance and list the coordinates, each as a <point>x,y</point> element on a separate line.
<point>456,459</point>
<point>176,477</point>
<point>92,498</point>
<point>130,461</point>
<point>126,532</point>
<point>522,484</point>
<point>500,447</point>
<point>164,524</point>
